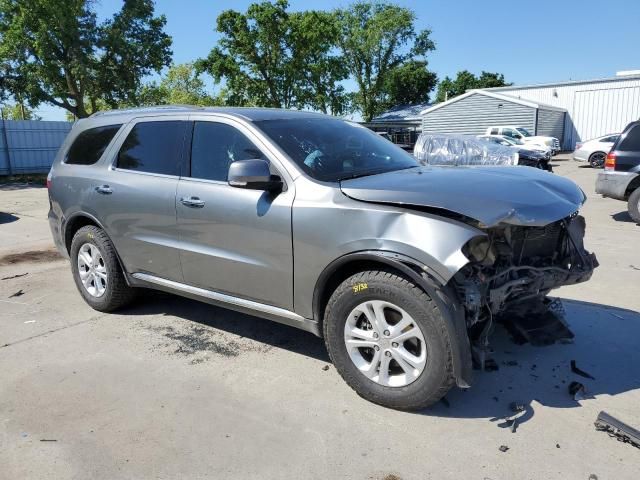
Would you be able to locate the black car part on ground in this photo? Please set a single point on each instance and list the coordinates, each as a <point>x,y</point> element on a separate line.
<point>530,158</point>
<point>511,272</point>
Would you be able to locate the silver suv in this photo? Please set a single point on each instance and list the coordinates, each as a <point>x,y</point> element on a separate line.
<point>320,224</point>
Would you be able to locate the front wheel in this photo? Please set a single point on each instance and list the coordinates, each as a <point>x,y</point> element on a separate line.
<point>389,341</point>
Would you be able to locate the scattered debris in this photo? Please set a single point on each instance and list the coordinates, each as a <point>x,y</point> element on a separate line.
<point>325,368</point>
<point>634,267</point>
<point>445,402</point>
<point>511,422</point>
<point>19,293</point>
<point>593,476</point>
<point>577,371</point>
<point>618,429</point>
<point>503,448</point>
<point>577,390</point>
<point>557,445</point>
<point>48,440</point>
<point>14,276</point>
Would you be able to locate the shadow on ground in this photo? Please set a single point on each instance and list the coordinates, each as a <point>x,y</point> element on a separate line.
<point>605,346</point>
<point>622,217</point>
<point>246,326</point>
<point>7,218</point>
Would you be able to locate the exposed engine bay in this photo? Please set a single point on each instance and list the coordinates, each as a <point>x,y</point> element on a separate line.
<point>513,268</point>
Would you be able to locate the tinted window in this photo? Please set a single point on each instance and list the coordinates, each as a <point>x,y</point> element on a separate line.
<point>89,146</point>
<point>215,146</point>
<point>609,139</point>
<point>494,131</point>
<point>631,143</point>
<point>153,147</point>
<point>331,150</point>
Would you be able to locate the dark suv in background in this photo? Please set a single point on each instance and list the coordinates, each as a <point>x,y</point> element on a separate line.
<point>621,176</point>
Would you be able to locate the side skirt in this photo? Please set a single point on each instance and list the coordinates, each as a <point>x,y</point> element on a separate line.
<point>268,312</point>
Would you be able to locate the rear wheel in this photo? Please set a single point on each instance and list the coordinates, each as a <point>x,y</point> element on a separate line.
<point>596,159</point>
<point>633,205</point>
<point>97,272</point>
<point>389,341</point>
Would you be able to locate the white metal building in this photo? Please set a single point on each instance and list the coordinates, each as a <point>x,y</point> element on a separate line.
<point>594,107</point>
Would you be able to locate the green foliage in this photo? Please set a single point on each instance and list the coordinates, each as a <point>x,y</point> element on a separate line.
<point>17,111</point>
<point>181,85</point>
<point>55,51</point>
<point>377,39</point>
<point>409,83</point>
<point>271,57</point>
<point>466,80</point>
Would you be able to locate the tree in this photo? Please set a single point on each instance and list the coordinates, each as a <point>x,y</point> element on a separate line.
<point>376,39</point>
<point>466,80</point>
<point>56,52</point>
<point>409,83</point>
<point>273,58</point>
<point>18,111</point>
<point>181,85</point>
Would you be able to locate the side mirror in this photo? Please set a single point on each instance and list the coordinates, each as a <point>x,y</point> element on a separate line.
<point>253,175</point>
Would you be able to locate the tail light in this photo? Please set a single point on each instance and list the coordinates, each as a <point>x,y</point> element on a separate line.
<point>49,181</point>
<point>578,146</point>
<point>610,162</point>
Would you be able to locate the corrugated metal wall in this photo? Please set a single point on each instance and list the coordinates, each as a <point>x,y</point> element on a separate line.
<point>593,108</point>
<point>29,146</point>
<point>473,114</point>
<point>550,123</point>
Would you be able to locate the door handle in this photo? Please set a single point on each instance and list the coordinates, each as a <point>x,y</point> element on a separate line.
<point>104,189</point>
<point>193,202</point>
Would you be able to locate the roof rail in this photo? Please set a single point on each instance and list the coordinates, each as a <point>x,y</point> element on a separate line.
<point>147,109</point>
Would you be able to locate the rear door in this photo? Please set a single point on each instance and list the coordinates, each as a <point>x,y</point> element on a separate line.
<point>136,198</point>
<point>235,241</point>
<point>627,149</point>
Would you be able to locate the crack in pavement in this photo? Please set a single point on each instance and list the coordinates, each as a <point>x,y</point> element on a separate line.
<point>54,330</point>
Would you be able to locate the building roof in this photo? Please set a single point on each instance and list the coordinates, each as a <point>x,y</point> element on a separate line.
<point>618,78</point>
<point>498,96</point>
<point>402,113</point>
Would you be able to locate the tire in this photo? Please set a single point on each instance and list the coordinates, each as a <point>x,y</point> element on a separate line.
<point>113,292</point>
<point>633,205</point>
<point>426,387</point>
<point>596,159</point>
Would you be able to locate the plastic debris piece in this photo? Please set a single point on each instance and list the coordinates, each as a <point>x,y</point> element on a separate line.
<point>19,293</point>
<point>576,390</point>
<point>14,276</point>
<point>325,368</point>
<point>580,372</point>
<point>503,448</point>
<point>618,429</point>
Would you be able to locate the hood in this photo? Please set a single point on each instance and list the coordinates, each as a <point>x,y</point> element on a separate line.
<point>491,195</point>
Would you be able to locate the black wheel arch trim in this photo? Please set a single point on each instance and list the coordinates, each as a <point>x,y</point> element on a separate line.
<point>442,294</point>
<point>65,225</point>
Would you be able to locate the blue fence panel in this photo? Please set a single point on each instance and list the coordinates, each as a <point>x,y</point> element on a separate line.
<point>29,146</point>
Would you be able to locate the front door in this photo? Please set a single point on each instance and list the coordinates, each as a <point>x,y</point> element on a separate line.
<point>234,241</point>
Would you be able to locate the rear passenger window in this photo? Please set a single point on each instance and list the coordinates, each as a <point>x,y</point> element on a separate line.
<point>494,131</point>
<point>215,146</point>
<point>89,146</point>
<point>631,143</point>
<point>154,147</point>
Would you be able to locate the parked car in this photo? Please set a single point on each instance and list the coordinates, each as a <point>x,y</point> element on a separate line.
<point>526,157</point>
<point>621,176</point>
<point>595,151</point>
<point>316,223</point>
<point>521,133</point>
<point>445,149</point>
<point>514,142</point>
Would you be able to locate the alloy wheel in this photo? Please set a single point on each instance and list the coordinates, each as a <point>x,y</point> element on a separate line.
<point>92,270</point>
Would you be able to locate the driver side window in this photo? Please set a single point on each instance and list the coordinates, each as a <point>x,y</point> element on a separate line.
<point>215,146</point>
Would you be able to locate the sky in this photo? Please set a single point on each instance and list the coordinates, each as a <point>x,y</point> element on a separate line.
<point>529,41</point>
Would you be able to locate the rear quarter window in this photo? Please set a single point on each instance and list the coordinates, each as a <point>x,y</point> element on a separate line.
<point>631,142</point>
<point>89,145</point>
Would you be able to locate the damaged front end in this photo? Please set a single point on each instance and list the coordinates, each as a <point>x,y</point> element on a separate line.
<point>510,272</point>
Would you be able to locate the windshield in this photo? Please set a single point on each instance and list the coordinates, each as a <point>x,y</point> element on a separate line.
<point>524,132</point>
<point>333,150</point>
<point>512,141</point>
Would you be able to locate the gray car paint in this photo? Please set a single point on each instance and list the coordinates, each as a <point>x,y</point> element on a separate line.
<point>491,195</point>
<point>325,223</point>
